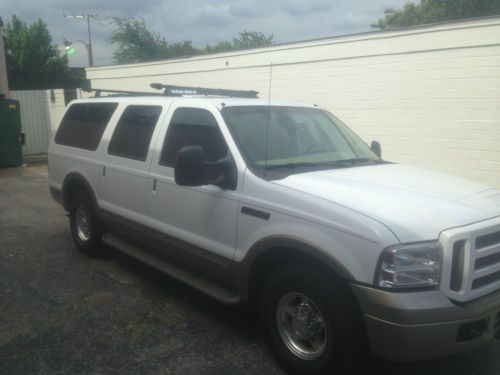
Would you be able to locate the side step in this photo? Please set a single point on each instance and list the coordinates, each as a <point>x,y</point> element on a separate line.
<point>203,285</point>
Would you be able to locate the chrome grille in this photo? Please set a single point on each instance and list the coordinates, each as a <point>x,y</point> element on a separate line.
<point>471,260</point>
<point>488,240</point>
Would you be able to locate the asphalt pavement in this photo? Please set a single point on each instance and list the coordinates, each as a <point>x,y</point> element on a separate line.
<point>64,313</point>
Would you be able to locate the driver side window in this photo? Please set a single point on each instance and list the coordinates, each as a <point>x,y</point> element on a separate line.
<point>193,126</point>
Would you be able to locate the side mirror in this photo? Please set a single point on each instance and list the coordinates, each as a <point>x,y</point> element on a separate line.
<point>190,166</point>
<point>376,148</point>
<point>225,176</point>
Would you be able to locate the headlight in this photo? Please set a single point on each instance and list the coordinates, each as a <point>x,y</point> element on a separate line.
<point>409,266</point>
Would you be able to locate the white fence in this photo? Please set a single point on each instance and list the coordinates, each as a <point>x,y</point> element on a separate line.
<point>430,95</point>
<point>40,113</point>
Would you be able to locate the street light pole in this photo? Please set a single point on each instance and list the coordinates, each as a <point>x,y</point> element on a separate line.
<point>89,44</point>
<point>89,48</point>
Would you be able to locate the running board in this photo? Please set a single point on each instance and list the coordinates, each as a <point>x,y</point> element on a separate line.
<point>203,285</point>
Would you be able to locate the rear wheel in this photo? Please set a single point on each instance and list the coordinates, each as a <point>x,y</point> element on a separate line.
<point>312,322</point>
<point>85,226</point>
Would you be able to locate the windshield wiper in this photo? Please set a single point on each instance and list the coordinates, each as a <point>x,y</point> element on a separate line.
<point>293,165</point>
<point>342,163</point>
<point>358,160</point>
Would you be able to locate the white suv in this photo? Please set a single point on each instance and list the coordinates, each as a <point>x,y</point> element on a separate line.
<point>281,205</point>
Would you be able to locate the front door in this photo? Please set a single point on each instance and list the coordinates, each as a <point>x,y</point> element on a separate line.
<point>204,216</point>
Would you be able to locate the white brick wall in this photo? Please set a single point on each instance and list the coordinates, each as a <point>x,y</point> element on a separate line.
<point>430,95</point>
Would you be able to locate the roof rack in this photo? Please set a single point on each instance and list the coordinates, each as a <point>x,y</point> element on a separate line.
<point>172,90</point>
<point>123,93</point>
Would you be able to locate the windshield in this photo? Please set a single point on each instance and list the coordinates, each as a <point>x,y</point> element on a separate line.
<point>298,138</point>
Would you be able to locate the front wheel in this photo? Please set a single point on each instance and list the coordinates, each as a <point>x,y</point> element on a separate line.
<point>312,322</point>
<point>85,226</point>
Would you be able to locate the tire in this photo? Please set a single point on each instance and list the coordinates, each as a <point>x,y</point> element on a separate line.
<point>312,322</point>
<point>85,226</point>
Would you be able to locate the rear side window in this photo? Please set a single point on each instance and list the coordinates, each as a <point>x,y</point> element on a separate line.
<point>133,132</point>
<point>83,125</point>
<point>197,127</point>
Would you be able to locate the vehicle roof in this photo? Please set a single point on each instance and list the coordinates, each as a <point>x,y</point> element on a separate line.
<point>218,102</point>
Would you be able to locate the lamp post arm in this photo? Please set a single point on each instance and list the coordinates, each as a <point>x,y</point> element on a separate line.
<point>80,41</point>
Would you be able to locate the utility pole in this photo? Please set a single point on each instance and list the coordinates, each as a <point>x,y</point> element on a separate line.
<point>89,49</point>
<point>4,81</point>
<point>89,44</point>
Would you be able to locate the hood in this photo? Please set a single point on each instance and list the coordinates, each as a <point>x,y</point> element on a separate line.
<point>415,203</point>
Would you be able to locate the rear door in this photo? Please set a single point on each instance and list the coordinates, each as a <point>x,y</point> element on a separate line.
<point>126,161</point>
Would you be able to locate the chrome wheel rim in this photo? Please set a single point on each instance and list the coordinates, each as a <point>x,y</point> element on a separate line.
<point>82,222</point>
<point>301,326</point>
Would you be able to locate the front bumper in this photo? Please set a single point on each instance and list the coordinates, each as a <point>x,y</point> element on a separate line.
<point>412,326</point>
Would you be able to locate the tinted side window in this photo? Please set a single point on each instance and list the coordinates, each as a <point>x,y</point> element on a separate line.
<point>83,125</point>
<point>133,132</point>
<point>193,126</point>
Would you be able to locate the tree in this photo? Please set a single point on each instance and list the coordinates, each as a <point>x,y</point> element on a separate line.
<point>245,40</point>
<point>252,39</point>
<point>430,11</point>
<point>223,46</point>
<point>33,62</point>
<point>136,43</point>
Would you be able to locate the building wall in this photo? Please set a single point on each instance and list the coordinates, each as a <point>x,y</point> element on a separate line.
<point>430,95</point>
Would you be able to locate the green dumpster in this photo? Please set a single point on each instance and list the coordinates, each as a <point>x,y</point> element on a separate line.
<point>11,138</point>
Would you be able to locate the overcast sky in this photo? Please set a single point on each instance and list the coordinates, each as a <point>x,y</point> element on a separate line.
<point>201,21</point>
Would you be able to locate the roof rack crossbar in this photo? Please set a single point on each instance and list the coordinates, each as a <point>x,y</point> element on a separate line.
<point>172,90</point>
<point>123,93</point>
